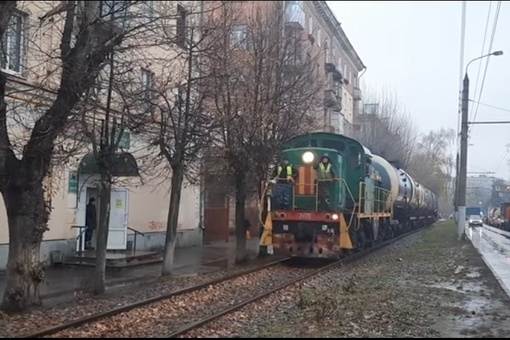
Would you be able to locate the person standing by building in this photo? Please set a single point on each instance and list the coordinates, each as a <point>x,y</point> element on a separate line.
<point>90,222</point>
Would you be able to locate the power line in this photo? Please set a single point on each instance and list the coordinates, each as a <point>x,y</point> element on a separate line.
<point>483,46</point>
<point>492,106</point>
<point>494,28</point>
<point>505,155</point>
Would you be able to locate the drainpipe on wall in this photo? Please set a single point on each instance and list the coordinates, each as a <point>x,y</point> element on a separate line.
<point>360,103</point>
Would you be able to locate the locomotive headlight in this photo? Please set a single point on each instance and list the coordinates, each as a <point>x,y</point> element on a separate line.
<point>308,157</point>
<point>335,217</point>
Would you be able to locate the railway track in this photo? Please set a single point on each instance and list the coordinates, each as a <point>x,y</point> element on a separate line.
<point>216,298</point>
<point>116,311</point>
<point>348,260</point>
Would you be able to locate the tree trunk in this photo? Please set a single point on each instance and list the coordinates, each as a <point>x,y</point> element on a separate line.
<point>99,282</point>
<point>173,220</point>
<point>27,218</point>
<point>241,254</point>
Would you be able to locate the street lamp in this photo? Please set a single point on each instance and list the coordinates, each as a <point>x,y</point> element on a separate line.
<point>462,175</point>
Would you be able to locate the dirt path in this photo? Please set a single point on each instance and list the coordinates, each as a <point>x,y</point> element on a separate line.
<point>433,286</point>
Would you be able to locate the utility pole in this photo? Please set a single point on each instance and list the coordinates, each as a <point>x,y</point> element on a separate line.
<point>461,72</point>
<point>456,192</point>
<point>461,222</point>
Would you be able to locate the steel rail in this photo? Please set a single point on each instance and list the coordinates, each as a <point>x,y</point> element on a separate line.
<point>115,311</point>
<point>347,260</point>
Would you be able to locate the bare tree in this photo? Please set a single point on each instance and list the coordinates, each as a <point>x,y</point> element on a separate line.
<point>265,89</point>
<point>182,127</point>
<point>432,162</point>
<point>386,128</point>
<point>146,105</point>
<point>87,36</point>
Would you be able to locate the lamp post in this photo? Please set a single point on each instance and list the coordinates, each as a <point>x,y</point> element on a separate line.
<point>461,198</point>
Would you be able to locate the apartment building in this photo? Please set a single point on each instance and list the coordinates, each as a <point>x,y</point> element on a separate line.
<point>139,208</point>
<point>342,64</point>
<point>338,64</point>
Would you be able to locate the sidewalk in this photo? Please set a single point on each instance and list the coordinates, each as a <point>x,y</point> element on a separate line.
<point>61,283</point>
<point>494,246</point>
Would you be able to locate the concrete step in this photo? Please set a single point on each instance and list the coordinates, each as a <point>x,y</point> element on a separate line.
<point>116,260</point>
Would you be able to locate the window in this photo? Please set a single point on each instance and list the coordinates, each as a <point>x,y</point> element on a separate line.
<point>181,29</point>
<point>148,90</point>
<point>239,37</point>
<point>338,89</point>
<point>96,88</point>
<point>114,9</point>
<point>319,37</point>
<point>12,51</point>
<point>334,144</point>
<point>149,11</point>
<point>295,13</point>
<point>310,25</point>
<point>180,97</point>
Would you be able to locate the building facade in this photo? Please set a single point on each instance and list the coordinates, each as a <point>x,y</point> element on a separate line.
<point>342,64</point>
<point>139,208</point>
<point>339,67</point>
<point>479,191</point>
<point>486,192</point>
<point>500,192</point>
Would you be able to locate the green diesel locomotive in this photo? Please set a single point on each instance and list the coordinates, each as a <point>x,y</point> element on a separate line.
<point>369,200</point>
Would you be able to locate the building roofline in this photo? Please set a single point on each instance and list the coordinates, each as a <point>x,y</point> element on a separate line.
<point>328,16</point>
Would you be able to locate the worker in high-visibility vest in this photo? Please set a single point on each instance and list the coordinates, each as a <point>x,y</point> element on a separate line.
<point>285,175</point>
<point>325,172</point>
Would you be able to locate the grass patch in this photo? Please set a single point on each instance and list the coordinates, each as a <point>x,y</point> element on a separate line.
<point>442,235</point>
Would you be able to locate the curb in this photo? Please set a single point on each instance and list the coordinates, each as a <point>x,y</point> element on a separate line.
<point>124,282</point>
<point>492,269</point>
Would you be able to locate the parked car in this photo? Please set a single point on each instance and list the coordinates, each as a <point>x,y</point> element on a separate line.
<point>475,220</point>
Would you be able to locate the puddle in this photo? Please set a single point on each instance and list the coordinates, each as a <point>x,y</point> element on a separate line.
<point>495,253</point>
<point>460,287</point>
<point>473,275</point>
<point>469,315</point>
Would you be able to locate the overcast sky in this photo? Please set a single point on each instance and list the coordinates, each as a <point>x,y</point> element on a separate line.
<point>414,49</point>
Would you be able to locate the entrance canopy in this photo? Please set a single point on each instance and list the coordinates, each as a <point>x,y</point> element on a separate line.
<point>124,165</point>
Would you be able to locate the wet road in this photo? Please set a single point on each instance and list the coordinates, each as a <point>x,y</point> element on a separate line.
<point>494,246</point>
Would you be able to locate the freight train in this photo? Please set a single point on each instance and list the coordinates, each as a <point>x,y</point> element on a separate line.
<point>369,200</point>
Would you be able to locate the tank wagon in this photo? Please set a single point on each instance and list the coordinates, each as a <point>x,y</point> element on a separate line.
<point>370,200</point>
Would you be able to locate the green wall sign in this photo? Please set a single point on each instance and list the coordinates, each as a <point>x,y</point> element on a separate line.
<point>72,183</point>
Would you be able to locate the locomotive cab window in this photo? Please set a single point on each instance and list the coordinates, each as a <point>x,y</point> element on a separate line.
<point>367,168</point>
<point>305,143</point>
<point>334,144</point>
<point>354,158</point>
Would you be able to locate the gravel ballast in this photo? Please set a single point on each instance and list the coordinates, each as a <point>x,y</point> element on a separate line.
<point>428,285</point>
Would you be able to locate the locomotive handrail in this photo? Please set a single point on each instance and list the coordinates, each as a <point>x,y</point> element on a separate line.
<point>266,184</point>
<point>339,179</point>
<point>386,194</point>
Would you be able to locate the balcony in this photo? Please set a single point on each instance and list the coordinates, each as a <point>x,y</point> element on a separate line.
<point>357,93</point>
<point>330,62</point>
<point>332,100</point>
<point>330,67</point>
<point>295,14</point>
<point>337,76</point>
